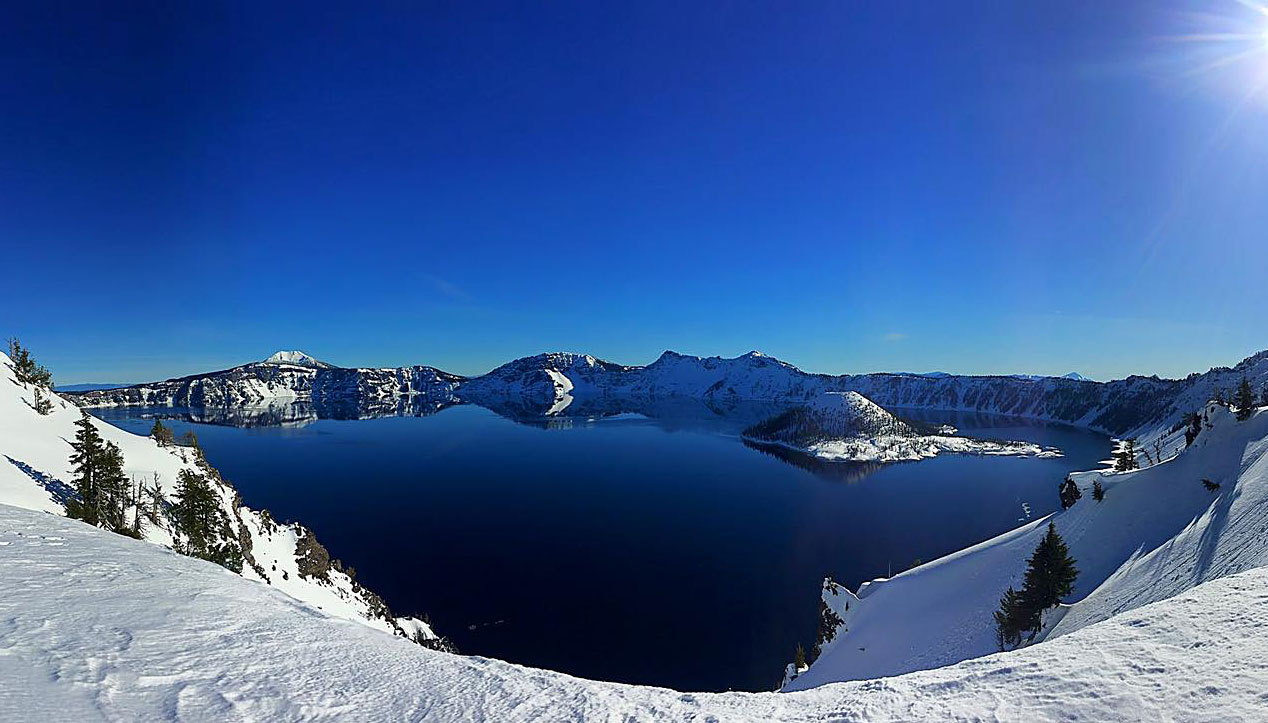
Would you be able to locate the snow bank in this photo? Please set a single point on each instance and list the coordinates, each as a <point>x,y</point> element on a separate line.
<point>94,626</point>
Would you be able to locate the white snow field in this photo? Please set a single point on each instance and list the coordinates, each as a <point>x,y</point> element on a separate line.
<point>94,626</point>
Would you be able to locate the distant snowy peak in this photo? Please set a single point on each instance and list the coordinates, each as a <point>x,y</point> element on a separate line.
<point>297,358</point>
<point>1076,377</point>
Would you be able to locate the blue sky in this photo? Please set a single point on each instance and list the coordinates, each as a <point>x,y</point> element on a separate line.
<point>975,187</point>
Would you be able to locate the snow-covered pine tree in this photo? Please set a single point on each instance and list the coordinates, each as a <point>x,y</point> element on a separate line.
<point>1098,491</point>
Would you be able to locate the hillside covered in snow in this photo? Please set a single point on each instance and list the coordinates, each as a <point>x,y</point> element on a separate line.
<point>37,473</point>
<point>1199,514</point>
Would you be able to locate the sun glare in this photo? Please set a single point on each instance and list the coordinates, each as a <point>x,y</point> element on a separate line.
<point>1225,48</point>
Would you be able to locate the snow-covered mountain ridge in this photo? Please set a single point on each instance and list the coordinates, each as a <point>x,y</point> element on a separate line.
<point>94,626</point>
<point>36,473</point>
<point>548,383</point>
<point>283,377</point>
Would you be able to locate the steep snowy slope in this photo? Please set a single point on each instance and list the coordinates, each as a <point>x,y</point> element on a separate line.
<point>1158,532</point>
<point>36,473</point>
<point>94,626</point>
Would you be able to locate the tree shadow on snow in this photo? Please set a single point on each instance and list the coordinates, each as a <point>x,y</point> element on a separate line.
<point>57,489</point>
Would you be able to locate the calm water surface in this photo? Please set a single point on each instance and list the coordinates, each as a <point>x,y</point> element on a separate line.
<point>657,551</point>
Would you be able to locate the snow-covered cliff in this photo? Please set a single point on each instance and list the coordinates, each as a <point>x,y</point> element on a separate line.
<point>36,474</point>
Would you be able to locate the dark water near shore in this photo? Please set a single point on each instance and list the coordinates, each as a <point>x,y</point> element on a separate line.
<point>660,551</point>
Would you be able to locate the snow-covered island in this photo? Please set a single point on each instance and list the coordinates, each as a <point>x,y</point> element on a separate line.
<point>846,426</point>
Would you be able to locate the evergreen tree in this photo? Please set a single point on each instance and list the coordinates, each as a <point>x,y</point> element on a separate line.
<point>799,658</point>
<point>1098,491</point>
<point>112,489</point>
<point>1245,400</point>
<point>25,368</point>
<point>86,457</point>
<point>1069,493</point>
<point>154,497</point>
<point>206,528</point>
<point>1263,396</point>
<point>1193,429</point>
<point>1211,486</point>
<point>196,513</point>
<point>1125,460</point>
<point>162,433</point>
<point>136,491</point>
<point>1050,576</point>
<point>189,439</point>
<point>1219,396</point>
<point>43,402</point>
<point>1010,620</point>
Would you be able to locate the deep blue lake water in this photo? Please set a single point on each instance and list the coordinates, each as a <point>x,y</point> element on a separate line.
<point>657,551</point>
